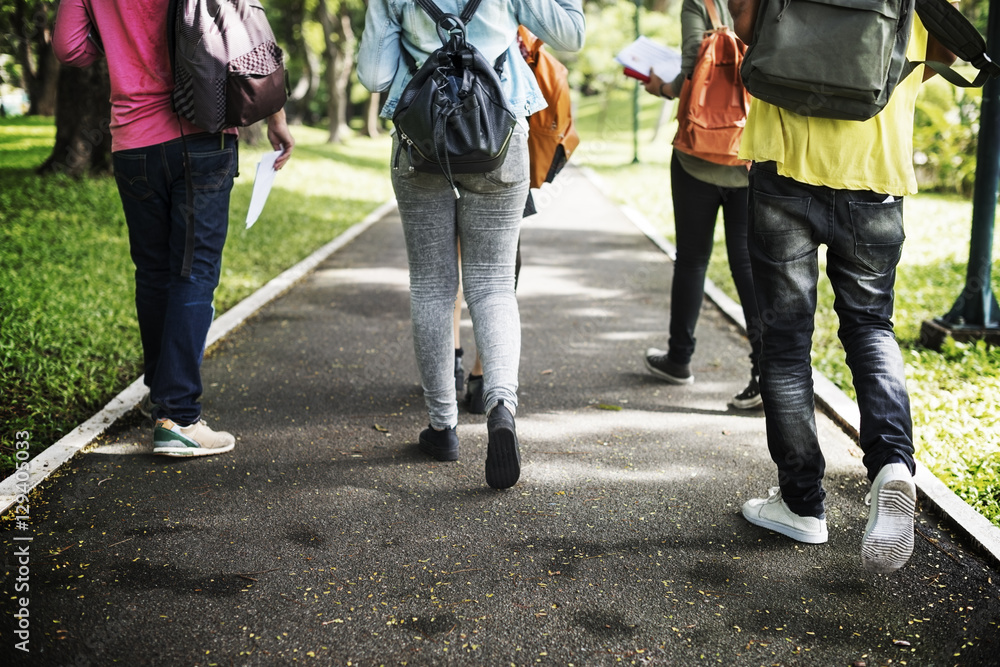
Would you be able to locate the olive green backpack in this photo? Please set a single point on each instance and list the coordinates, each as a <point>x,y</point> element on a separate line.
<point>843,58</point>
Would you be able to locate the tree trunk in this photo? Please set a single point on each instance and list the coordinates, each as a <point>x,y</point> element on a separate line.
<point>339,59</point>
<point>44,86</point>
<point>39,67</point>
<point>373,126</point>
<point>299,107</point>
<point>83,121</point>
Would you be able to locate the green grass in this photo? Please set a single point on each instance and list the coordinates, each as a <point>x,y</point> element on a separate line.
<point>955,393</point>
<point>68,336</point>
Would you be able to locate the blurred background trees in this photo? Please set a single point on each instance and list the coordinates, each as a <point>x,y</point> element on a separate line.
<point>320,39</point>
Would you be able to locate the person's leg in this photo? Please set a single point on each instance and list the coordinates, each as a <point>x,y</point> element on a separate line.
<point>189,309</point>
<point>861,265</point>
<point>696,207</point>
<point>427,209</point>
<point>175,313</point>
<point>145,197</point>
<point>489,218</point>
<point>735,213</point>
<point>786,223</point>
<point>489,221</point>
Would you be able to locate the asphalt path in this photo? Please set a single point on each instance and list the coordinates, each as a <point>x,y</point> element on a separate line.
<point>326,538</point>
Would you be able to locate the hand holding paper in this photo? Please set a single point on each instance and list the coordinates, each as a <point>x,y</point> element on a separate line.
<point>262,183</point>
<point>644,56</point>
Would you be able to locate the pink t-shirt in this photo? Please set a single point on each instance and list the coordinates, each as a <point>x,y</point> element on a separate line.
<point>134,35</point>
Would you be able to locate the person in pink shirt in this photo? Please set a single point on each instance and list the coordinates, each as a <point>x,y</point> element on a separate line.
<point>156,154</point>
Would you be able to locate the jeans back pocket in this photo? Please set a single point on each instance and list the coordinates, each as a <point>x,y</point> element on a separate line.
<point>878,234</point>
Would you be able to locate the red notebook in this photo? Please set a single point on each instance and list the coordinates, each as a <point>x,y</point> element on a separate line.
<point>636,75</point>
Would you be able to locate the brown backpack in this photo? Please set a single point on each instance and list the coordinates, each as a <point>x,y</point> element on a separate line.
<point>551,135</point>
<point>712,110</point>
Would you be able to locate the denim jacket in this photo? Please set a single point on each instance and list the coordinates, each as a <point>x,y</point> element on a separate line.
<point>392,25</point>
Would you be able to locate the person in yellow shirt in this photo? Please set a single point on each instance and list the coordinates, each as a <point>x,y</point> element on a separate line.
<point>839,183</point>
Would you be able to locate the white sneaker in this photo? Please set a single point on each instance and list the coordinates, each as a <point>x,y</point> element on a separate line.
<point>172,439</point>
<point>888,540</point>
<point>772,513</point>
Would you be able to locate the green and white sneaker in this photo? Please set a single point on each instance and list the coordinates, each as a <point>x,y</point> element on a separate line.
<point>172,439</point>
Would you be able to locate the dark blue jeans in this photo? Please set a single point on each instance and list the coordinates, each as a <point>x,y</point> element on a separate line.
<point>696,207</point>
<point>175,313</point>
<point>863,232</point>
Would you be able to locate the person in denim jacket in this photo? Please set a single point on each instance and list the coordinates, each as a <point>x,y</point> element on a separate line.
<point>485,219</point>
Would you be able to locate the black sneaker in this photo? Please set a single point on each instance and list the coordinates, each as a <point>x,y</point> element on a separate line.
<point>147,408</point>
<point>660,366</point>
<point>749,398</point>
<point>474,395</point>
<point>442,445</point>
<point>503,460</point>
<point>459,374</point>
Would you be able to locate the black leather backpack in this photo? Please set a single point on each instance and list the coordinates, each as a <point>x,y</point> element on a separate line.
<point>452,117</point>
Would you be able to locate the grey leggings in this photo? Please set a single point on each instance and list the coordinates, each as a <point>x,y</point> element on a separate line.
<point>486,219</point>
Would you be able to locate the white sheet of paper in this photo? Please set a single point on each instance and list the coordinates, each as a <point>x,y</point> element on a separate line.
<point>262,183</point>
<point>644,55</point>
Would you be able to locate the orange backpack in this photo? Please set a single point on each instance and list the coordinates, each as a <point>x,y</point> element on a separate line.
<point>551,135</point>
<point>712,110</point>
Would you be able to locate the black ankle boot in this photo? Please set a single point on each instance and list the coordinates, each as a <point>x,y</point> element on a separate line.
<point>474,395</point>
<point>442,445</point>
<point>503,460</point>
<point>459,374</point>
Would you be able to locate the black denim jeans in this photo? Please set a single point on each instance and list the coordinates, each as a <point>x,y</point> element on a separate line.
<point>175,313</point>
<point>696,207</point>
<point>863,232</point>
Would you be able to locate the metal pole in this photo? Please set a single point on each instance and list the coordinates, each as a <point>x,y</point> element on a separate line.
<point>977,306</point>
<point>635,98</point>
<point>976,313</point>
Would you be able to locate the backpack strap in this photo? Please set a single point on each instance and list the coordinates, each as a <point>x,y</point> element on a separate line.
<point>436,14</point>
<point>173,7</point>
<point>955,32</point>
<point>713,14</point>
<point>172,35</point>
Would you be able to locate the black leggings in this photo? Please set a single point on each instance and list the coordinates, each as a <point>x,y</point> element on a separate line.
<point>696,207</point>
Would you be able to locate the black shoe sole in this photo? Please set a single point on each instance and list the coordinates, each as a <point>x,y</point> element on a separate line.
<point>503,460</point>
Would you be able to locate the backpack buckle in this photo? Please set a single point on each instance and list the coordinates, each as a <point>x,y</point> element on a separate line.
<point>449,27</point>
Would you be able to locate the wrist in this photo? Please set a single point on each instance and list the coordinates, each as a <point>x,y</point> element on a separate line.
<point>663,94</point>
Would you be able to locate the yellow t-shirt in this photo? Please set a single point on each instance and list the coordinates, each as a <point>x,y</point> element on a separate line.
<point>875,154</point>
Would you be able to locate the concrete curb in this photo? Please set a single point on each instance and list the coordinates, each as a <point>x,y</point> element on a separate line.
<point>840,407</point>
<point>39,468</point>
